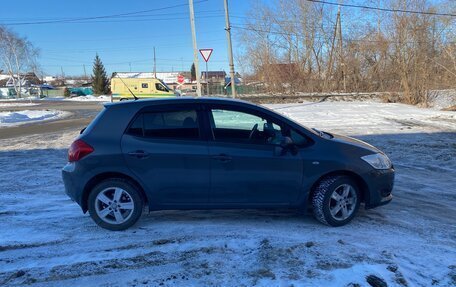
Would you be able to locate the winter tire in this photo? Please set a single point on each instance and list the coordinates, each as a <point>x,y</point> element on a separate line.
<point>335,200</point>
<point>115,204</point>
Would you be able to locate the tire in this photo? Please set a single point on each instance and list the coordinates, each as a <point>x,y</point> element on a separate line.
<point>335,200</point>
<point>115,204</point>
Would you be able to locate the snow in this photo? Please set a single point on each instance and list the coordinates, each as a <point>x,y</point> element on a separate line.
<point>8,119</point>
<point>102,98</point>
<point>13,105</point>
<point>45,239</point>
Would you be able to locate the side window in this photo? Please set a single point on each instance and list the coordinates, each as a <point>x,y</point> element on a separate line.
<point>160,87</point>
<point>235,126</point>
<point>144,85</point>
<point>167,125</point>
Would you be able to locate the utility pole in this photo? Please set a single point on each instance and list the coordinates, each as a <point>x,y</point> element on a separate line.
<point>331,54</point>
<point>85,73</point>
<point>341,52</point>
<point>195,48</point>
<point>155,65</point>
<point>230,49</point>
<point>63,75</point>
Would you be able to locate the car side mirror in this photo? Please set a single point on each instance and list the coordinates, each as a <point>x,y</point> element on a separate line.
<point>286,144</point>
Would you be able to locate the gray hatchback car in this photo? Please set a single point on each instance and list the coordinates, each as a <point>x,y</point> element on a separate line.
<point>208,153</point>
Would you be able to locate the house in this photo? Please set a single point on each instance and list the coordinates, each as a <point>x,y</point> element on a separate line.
<point>27,80</point>
<point>213,76</point>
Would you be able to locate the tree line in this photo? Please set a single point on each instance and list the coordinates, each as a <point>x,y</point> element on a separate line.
<point>305,46</point>
<point>18,57</point>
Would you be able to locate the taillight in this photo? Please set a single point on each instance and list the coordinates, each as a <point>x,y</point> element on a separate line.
<point>78,150</point>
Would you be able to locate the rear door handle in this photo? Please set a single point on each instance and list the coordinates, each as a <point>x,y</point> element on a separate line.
<point>222,158</point>
<point>139,154</point>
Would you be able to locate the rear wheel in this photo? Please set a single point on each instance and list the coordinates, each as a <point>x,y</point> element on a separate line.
<point>115,204</point>
<point>336,200</point>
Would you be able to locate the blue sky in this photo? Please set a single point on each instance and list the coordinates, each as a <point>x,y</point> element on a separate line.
<point>126,40</point>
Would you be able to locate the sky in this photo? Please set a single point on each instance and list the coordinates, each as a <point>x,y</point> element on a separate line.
<point>124,43</point>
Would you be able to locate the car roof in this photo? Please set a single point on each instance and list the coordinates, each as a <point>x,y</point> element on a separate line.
<point>181,100</point>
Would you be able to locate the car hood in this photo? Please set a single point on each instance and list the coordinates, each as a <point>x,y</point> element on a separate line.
<point>355,142</point>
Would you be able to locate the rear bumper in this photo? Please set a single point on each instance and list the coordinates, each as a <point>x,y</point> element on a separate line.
<point>380,185</point>
<point>71,182</point>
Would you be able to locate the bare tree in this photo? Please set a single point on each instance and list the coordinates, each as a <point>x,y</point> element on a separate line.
<point>298,45</point>
<point>18,57</point>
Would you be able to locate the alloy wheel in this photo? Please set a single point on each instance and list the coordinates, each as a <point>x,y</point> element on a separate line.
<point>342,202</point>
<point>114,205</point>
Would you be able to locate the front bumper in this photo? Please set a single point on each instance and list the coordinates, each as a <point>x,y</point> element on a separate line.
<point>380,185</point>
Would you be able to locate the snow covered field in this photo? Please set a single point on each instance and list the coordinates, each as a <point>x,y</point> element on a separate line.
<point>46,240</point>
<point>8,119</point>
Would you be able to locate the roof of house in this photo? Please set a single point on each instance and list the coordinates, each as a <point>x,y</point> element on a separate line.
<point>214,73</point>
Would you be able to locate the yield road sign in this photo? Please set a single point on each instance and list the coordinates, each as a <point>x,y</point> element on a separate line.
<point>206,53</point>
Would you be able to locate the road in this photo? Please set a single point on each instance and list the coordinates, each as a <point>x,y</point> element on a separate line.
<point>81,115</point>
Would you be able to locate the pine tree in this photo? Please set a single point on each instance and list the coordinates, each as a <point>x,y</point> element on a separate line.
<point>193,72</point>
<point>100,82</point>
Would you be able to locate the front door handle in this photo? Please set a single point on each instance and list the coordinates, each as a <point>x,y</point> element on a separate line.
<point>222,158</point>
<point>139,154</point>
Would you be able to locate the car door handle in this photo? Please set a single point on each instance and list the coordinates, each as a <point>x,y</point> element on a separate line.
<point>139,154</point>
<point>222,158</point>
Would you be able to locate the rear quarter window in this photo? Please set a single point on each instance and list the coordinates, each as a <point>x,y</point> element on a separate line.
<point>94,122</point>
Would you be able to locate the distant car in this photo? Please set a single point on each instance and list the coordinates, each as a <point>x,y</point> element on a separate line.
<point>207,153</point>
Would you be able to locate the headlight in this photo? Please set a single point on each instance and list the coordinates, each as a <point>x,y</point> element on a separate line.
<point>377,161</point>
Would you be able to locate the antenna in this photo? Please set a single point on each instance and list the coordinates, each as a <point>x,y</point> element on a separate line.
<point>134,96</point>
<point>155,65</point>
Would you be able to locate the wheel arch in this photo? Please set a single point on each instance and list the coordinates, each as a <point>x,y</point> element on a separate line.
<point>360,182</point>
<point>106,175</point>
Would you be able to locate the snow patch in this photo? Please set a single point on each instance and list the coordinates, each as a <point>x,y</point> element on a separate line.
<point>12,105</point>
<point>102,98</point>
<point>8,119</point>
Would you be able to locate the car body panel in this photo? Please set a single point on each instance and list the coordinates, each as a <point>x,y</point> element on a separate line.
<point>185,174</point>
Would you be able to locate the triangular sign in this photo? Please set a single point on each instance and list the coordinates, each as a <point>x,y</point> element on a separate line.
<point>206,53</point>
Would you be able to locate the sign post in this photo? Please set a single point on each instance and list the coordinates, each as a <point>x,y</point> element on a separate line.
<point>180,82</point>
<point>206,53</point>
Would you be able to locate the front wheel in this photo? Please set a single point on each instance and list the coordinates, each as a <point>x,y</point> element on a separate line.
<point>115,204</point>
<point>336,200</point>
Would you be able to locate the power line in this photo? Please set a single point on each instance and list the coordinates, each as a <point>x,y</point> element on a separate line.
<point>102,16</point>
<point>39,19</point>
<point>383,9</point>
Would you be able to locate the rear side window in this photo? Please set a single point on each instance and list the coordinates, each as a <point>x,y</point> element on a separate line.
<point>166,125</point>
